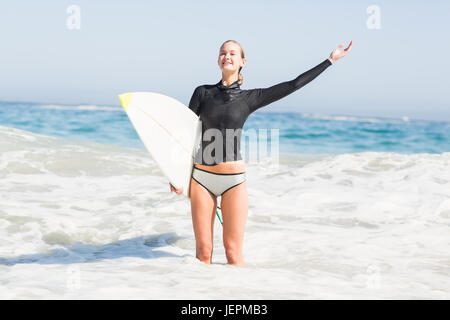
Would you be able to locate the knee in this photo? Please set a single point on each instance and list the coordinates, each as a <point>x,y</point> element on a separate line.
<point>204,253</point>
<point>233,253</point>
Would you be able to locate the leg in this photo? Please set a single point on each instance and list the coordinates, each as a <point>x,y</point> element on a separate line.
<point>234,206</point>
<point>203,207</point>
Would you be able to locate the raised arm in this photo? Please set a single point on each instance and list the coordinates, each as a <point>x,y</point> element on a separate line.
<point>261,97</point>
<point>258,98</point>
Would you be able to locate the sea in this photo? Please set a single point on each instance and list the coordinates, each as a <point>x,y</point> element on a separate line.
<point>354,208</point>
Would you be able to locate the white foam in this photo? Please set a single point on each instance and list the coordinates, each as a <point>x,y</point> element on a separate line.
<point>95,221</point>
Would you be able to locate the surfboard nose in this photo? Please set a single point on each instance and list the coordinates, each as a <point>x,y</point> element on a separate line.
<point>125,99</point>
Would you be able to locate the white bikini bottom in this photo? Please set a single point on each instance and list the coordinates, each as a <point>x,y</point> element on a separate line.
<point>217,183</point>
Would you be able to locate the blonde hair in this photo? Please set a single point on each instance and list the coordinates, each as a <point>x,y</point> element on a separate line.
<point>240,76</point>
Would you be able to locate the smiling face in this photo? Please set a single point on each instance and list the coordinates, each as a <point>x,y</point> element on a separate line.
<point>230,58</point>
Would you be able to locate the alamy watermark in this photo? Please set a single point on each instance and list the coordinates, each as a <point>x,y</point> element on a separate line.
<point>251,145</point>
<point>73,282</point>
<point>231,144</point>
<point>73,21</point>
<point>374,19</point>
<point>373,277</point>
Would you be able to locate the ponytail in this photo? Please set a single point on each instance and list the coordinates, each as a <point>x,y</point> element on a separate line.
<point>240,77</point>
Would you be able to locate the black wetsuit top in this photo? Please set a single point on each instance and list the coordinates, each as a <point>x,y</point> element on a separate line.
<point>228,107</point>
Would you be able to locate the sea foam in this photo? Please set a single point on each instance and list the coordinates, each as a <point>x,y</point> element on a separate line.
<point>88,220</point>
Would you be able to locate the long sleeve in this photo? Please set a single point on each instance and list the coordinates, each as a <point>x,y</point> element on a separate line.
<point>194,103</point>
<point>258,98</point>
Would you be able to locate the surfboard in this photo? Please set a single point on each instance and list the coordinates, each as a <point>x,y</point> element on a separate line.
<point>169,130</point>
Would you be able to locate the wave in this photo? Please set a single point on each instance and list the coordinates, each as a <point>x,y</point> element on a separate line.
<point>353,118</point>
<point>31,153</point>
<point>336,217</point>
<point>82,107</point>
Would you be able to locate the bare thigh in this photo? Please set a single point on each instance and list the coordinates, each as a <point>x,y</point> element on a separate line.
<point>203,207</point>
<point>234,207</point>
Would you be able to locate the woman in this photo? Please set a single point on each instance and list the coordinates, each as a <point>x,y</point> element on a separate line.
<point>218,167</point>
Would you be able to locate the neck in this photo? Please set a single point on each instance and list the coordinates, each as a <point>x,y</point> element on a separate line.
<point>228,79</point>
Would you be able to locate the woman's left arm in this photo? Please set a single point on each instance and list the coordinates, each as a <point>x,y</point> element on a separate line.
<point>257,98</point>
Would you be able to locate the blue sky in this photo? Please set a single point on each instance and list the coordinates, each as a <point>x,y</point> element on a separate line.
<point>171,47</point>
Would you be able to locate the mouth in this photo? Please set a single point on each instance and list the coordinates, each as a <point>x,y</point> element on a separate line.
<point>226,63</point>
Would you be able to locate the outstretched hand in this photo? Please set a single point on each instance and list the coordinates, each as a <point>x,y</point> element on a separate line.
<point>338,53</point>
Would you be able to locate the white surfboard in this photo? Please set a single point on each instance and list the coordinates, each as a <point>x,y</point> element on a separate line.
<point>169,130</point>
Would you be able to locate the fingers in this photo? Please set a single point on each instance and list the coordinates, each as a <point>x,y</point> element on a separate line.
<point>339,53</point>
<point>177,191</point>
<point>349,46</point>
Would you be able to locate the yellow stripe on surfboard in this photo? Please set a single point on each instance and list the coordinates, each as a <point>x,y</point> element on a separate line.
<point>125,99</point>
